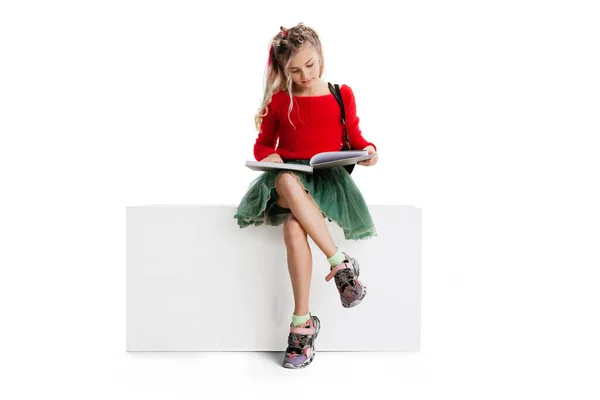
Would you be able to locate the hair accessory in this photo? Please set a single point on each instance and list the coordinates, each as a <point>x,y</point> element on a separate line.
<point>270,53</point>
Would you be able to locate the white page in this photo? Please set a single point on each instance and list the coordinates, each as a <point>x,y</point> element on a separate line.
<point>342,162</point>
<point>270,166</point>
<point>336,155</point>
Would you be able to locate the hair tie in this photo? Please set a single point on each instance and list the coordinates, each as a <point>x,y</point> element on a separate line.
<point>270,54</point>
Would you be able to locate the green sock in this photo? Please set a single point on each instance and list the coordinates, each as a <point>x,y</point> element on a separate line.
<point>299,319</point>
<point>336,259</point>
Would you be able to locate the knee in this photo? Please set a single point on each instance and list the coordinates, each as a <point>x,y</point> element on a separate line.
<point>285,181</point>
<point>292,230</point>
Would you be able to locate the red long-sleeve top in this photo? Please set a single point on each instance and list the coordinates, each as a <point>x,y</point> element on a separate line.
<point>318,126</point>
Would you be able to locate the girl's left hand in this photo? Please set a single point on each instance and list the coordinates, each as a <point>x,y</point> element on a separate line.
<point>372,161</point>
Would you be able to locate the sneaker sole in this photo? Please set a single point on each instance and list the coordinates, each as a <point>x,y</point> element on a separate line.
<point>312,355</point>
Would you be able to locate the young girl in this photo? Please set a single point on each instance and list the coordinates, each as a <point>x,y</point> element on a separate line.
<point>299,110</point>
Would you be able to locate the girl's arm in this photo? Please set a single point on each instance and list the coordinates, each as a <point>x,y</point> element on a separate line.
<point>357,141</point>
<point>268,135</point>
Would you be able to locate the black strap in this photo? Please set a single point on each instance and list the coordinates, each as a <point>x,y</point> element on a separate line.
<point>338,97</point>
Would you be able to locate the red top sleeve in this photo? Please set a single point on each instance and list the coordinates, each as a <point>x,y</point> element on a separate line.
<point>357,141</point>
<point>268,135</point>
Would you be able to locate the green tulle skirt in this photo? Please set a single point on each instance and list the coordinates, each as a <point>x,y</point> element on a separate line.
<point>332,189</point>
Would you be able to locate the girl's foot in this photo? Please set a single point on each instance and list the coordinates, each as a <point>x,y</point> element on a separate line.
<point>346,280</point>
<point>301,344</point>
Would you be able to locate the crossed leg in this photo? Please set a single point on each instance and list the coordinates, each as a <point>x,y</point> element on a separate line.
<point>291,195</point>
<point>305,219</point>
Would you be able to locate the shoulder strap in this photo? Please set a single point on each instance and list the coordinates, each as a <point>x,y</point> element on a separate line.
<point>338,97</point>
<point>335,90</point>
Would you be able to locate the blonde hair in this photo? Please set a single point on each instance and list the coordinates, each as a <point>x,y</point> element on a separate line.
<point>281,49</point>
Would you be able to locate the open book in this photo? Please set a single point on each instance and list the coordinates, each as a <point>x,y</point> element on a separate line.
<point>322,160</point>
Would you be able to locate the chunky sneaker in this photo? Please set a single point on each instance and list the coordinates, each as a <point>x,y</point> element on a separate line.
<point>301,344</point>
<point>346,279</point>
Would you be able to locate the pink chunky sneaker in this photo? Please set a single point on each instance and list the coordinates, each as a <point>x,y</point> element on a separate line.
<point>346,280</point>
<point>301,344</point>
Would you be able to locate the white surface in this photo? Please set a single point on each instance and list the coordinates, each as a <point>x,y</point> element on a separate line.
<point>485,115</point>
<point>197,282</point>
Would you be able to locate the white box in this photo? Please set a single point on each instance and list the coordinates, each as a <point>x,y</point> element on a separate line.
<point>197,282</point>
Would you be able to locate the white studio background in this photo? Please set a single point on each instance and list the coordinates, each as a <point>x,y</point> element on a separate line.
<point>485,115</point>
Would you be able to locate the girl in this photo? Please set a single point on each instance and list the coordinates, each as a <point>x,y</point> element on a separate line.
<point>299,111</point>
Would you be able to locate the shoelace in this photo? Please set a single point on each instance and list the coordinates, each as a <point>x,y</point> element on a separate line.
<point>297,341</point>
<point>345,278</point>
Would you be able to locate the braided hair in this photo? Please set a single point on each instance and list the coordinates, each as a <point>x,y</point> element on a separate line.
<point>281,49</point>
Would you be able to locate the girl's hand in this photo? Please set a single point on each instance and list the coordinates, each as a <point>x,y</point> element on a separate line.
<point>372,161</point>
<point>276,158</point>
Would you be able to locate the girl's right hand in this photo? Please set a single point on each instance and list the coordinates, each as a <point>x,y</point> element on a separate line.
<point>275,158</point>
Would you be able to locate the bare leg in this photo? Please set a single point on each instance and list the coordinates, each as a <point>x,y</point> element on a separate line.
<point>292,195</point>
<point>299,258</point>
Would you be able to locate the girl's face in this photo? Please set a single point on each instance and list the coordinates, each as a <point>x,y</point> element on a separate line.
<point>304,66</point>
